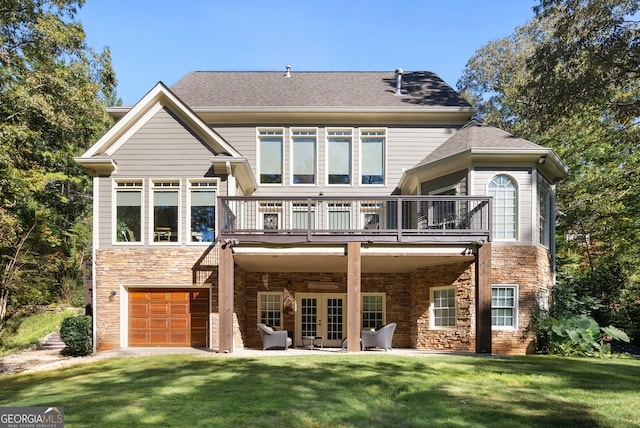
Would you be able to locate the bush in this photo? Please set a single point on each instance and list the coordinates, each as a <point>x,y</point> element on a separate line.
<point>582,336</point>
<point>76,333</point>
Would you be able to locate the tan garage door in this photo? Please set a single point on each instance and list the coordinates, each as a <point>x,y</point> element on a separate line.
<point>168,317</point>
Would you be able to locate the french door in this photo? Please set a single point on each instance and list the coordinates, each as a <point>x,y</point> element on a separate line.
<point>321,314</point>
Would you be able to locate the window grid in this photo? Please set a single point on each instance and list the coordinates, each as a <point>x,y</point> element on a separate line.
<point>339,145</point>
<point>503,306</point>
<point>372,311</point>
<point>372,155</point>
<point>271,155</point>
<point>503,190</point>
<point>444,307</point>
<point>128,211</point>
<point>270,309</point>
<point>166,211</point>
<point>304,156</point>
<point>202,210</point>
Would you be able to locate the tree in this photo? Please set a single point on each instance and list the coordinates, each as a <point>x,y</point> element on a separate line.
<point>569,79</point>
<point>52,93</point>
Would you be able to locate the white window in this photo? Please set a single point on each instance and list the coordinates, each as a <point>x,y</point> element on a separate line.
<point>504,307</point>
<point>202,210</point>
<point>443,307</point>
<point>165,217</point>
<point>504,191</point>
<point>270,309</point>
<point>543,300</point>
<point>271,156</point>
<point>373,310</point>
<point>544,215</point>
<point>304,156</point>
<point>128,211</point>
<point>339,156</point>
<point>372,153</point>
<point>339,215</point>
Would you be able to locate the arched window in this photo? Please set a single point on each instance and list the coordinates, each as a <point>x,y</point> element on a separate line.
<point>505,202</point>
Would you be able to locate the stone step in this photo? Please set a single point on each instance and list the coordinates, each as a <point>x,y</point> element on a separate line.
<point>52,342</point>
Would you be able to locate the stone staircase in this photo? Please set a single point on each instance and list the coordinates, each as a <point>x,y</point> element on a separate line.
<point>52,342</point>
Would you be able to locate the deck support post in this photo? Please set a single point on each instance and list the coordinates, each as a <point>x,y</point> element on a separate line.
<point>354,271</point>
<point>483,298</point>
<point>225,298</point>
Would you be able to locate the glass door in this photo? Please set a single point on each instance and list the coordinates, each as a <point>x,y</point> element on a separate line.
<point>323,315</point>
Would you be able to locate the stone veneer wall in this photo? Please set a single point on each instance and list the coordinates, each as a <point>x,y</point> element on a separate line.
<point>461,338</point>
<point>148,267</point>
<point>407,295</point>
<point>530,268</point>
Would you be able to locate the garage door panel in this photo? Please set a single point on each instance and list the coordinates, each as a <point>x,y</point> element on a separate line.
<point>168,317</point>
<point>139,308</point>
<point>158,309</point>
<point>179,308</point>
<point>136,323</point>
<point>179,323</point>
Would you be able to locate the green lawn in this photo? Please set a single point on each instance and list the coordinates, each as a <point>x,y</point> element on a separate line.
<point>337,390</point>
<point>27,331</point>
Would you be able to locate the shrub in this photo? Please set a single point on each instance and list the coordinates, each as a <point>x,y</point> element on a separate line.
<point>76,333</point>
<point>582,336</point>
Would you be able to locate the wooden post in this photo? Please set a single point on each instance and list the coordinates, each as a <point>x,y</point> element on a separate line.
<point>483,299</point>
<point>225,298</point>
<point>354,269</point>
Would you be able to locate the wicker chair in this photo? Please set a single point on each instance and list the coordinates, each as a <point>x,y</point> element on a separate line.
<point>378,338</point>
<point>274,338</point>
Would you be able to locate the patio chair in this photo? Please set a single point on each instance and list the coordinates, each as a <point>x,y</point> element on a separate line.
<point>274,338</point>
<point>378,338</point>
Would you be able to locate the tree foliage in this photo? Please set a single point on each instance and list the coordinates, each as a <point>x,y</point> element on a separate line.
<point>569,79</point>
<point>52,93</point>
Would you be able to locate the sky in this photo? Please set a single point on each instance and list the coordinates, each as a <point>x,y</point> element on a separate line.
<point>162,40</point>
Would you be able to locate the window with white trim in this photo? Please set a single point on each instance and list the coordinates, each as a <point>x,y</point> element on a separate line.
<point>504,307</point>
<point>372,154</point>
<point>270,308</point>
<point>165,217</point>
<point>271,155</point>
<point>373,310</point>
<point>505,201</point>
<point>202,210</point>
<point>544,215</point>
<point>128,211</point>
<point>443,307</point>
<point>339,156</point>
<point>304,156</point>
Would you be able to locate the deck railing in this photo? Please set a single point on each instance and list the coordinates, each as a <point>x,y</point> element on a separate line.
<point>372,219</point>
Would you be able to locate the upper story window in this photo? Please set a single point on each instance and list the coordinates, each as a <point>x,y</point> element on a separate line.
<point>128,211</point>
<point>304,156</point>
<point>372,156</point>
<point>271,155</point>
<point>544,215</point>
<point>339,156</point>
<point>202,210</point>
<point>165,216</point>
<point>505,201</point>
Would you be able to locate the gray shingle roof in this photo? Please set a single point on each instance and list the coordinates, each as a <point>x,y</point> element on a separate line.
<point>315,89</point>
<point>478,135</point>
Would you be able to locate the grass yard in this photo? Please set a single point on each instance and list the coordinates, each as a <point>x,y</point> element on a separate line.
<point>337,390</point>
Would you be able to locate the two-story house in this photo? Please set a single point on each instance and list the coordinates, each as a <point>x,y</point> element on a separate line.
<point>323,203</point>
